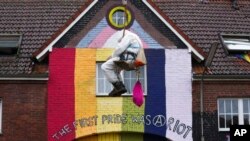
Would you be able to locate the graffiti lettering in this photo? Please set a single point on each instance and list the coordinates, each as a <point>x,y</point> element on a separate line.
<point>176,126</point>
<point>83,122</point>
<point>179,128</point>
<point>115,118</point>
<point>65,130</point>
<point>137,119</point>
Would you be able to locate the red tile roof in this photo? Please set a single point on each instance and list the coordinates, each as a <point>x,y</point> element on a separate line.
<point>37,20</point>
<point>199,23</point>
<point>203,22</point>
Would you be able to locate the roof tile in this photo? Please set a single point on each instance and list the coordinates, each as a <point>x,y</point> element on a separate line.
<point>37,21</point>
<point>203,22</point>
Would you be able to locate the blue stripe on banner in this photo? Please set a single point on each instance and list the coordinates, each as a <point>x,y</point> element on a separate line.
<point>155,103</point>
<point>151,42</point>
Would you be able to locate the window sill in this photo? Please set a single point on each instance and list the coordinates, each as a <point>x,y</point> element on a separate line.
<point>224,130</point>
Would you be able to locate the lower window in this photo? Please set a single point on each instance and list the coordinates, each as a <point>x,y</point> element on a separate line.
<point>233,111</point>
<point>129,78</point>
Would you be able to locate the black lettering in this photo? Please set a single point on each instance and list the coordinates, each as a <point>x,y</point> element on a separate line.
<point>179,131</point>
<point>187,132</point>
<point>82,122</point>
<point>95,119</point>
<point>104,118</point>
<point>176,125</point>
<point>170,121</point>
<point>124,118</point>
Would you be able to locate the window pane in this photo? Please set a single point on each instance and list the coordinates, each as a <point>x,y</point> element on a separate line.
<point>235,106</point>
<point>120,14</point>
<point>222,121</point>
<point>129,85</point>
<point>130,79</point>
<point>100,72</point>
<point>108,86</point>
<point>228,121</point>
<point>246,119</point>
<point>118,17</point>
<point>228,106</point>
<point>221,106</point>
<point>9,44</point>
<point>127,74</point>
<point>246,106</point>
<point>235,120</point>
<point>103,85</point>
<point>100,86</point>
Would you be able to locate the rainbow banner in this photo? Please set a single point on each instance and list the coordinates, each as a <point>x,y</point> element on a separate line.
<point>75,111</point>
<point>245,57</point>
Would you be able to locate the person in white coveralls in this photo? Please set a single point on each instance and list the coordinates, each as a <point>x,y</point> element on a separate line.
<point>126,50</point>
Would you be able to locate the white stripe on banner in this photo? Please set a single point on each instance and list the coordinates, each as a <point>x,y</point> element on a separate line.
<point>179,94</point>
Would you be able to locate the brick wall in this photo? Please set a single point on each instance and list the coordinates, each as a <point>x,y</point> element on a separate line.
<point>212,91</point>
<point>24,110</point>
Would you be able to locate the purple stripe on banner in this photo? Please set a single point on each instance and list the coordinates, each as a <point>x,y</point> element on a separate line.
<point>155,105</point>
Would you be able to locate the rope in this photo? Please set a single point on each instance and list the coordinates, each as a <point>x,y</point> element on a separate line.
<point>124,2</point>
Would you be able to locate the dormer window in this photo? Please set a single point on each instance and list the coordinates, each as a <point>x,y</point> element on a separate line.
<point>9,44</point>
<point>235,43</point>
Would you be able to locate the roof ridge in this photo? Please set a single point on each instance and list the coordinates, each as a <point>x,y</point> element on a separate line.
<point>165,16</point>
<point>60,30</point>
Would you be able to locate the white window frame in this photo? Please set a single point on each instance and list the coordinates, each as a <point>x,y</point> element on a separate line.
<point>235,43</point>
<point>240,112</point>
<point>122,75</point>
<point>10,43</point>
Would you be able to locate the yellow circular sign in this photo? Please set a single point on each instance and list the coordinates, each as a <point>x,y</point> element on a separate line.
<point>117,19</point>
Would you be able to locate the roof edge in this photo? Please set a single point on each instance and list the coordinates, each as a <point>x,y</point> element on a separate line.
<point>222,77</point>
<point>176,30</point>
<point>25,77</point>
<point>47,46</point>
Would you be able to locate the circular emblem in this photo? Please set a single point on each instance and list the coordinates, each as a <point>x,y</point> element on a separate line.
<point>119,16</point>
<point>159,121</point>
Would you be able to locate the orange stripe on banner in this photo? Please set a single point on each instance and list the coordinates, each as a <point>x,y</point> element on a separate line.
<point>85,98</point>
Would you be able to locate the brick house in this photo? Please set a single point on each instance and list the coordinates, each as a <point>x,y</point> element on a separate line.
<point>36,106</point>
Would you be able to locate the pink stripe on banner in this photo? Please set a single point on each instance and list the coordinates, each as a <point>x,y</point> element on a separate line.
<point>102,37</point>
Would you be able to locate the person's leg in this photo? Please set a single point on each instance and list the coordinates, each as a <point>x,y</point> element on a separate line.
<point>109,69</point>
<point>113,75</point>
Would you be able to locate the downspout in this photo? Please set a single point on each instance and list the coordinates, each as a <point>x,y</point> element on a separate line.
<point>202,104</point>
<point>207,64</point>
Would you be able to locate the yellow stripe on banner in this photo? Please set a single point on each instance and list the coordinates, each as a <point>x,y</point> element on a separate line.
<point>85,98</point>
<point>110,116</point>
<point>103,53</point>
